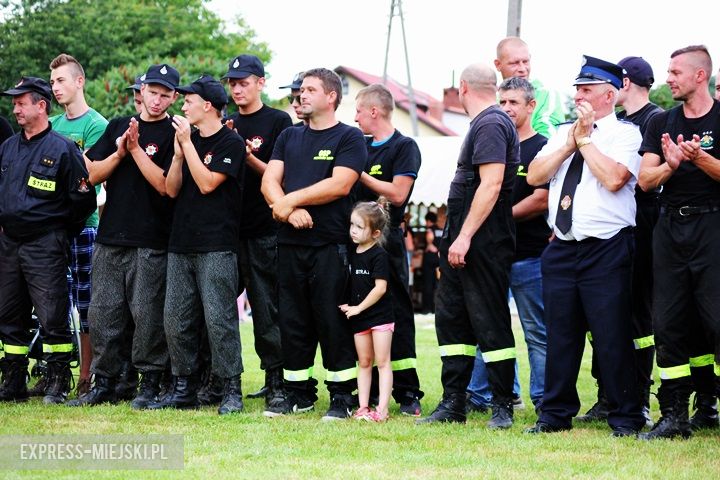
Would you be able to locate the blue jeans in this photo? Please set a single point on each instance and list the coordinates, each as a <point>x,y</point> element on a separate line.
<point>526,288</point>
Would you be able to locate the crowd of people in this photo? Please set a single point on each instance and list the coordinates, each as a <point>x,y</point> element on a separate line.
<point>600,228</point>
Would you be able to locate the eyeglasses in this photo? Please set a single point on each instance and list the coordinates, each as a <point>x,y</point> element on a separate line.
<point>293,98</point>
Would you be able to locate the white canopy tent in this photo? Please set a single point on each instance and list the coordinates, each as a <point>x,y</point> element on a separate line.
<point>439,161</point>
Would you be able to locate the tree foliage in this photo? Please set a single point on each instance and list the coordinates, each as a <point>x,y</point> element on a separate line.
<point>106,35</point>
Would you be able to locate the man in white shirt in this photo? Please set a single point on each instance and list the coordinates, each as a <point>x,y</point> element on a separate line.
<point>592,167</point>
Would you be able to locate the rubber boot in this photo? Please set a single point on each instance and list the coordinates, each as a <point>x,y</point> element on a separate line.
<point>232,397</point>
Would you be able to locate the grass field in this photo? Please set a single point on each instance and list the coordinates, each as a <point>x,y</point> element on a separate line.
<point>250,446</point>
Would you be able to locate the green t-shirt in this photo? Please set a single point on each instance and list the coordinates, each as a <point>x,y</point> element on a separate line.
<point>84,130</point>
<point>549,110</point>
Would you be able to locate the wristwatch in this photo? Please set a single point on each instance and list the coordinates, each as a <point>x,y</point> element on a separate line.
<point>583,141</point>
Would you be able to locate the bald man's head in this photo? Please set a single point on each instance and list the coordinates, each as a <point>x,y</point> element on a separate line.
<point>480,78</point>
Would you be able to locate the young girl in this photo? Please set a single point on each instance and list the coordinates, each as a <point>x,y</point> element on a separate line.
<point>370,307</point>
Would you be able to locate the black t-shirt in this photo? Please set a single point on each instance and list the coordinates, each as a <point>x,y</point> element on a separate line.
<point>6,130</point>
<point>262,129</point>
<point>211,222</point>
<point>641,118</point>
<point>365,267</point>
<point>135,214</point>
<point>689,185</point>
<point>492,139</point>
<point>309,156</point>
<point>398,156</point>
<point>531,235</point>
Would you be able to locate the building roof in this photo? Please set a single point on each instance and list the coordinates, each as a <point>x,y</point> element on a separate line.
<point>426,104</point>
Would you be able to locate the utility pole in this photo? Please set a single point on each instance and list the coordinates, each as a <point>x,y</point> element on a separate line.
<point>410,92</point>
<point>514,16</point>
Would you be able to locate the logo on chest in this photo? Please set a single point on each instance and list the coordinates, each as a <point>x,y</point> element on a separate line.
<point>324,155</point>
<point>375,170</point>
<point>256,142</point>
<point>151,150</point>
<point>208,158</point>
<point>361,271</point>
<point>707,142</point>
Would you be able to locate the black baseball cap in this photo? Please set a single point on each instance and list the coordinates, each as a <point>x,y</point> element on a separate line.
<point>594,71</point>
<point>162,74</point>
<point>243,66</point>
<point>208,89</point>
<point>638,71</point>
<point>296,82</point>
<point>135,86</point>
<point>30,84</point>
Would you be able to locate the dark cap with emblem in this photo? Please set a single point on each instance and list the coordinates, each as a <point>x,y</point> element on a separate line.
<point>162,74</point>
<point>135,86</point>
<point>243,66</point>
<point>30,84</point>
<point>638,71</point>
<point>596,71</point>
<point>208,89</point>
<point>296,82</point>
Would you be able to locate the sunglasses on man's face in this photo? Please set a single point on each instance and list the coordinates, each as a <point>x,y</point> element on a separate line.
<point>293,98</point>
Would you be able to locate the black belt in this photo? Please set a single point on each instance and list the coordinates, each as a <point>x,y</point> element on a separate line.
<point>688,210</point>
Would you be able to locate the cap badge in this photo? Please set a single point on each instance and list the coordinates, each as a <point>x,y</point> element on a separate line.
<point>163,70</point>
<point>236,64</point>
<point>20,82</point>
<point>142,79</point>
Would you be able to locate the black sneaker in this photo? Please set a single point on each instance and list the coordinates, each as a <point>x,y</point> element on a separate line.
<point>286,404</point>
<point>340,407</point>
<point>411,407</point>
<point>502,416</point>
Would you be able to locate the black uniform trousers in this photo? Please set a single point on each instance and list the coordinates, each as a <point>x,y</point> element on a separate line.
<point>406,383</point>
<point>312,284</point>
<point>687,276</point>
<point>642,286</point>
<point>588,284</point>
<point>472,305</point>
<point>34,272</point>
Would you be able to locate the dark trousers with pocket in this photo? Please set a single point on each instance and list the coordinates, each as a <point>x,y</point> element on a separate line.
<point>313,283</point>
<point>588,285</point>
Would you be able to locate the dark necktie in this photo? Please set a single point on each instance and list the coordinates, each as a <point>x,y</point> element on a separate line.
<point>563,218</point>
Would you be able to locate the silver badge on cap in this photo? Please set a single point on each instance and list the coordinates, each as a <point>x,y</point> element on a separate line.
<point>163,70</point>
<point>142,79</point>
<point>236,64</point>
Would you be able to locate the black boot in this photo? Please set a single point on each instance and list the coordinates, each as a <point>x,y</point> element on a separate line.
<point>212,392</point>
<point>148,392</point>
<point>232,397</point>
<point>59,379</point>
<point>39,370</point>
<point>597,413</point>
<point>102,392</point>
<point>502,414</point>
<point>182,396</point>
<point>14,385</point>
<point>274,383</point>
<point>674,415</point>
<point>127,382</point>
<point>706,412</point>
<point>450,409</point>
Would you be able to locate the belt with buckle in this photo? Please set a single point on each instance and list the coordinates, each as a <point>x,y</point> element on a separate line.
<point>687,210</point>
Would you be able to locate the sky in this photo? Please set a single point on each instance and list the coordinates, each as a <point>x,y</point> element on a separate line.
<point>443,37</point>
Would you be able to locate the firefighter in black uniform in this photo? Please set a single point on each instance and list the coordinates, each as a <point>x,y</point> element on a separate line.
<point>44,195</point>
